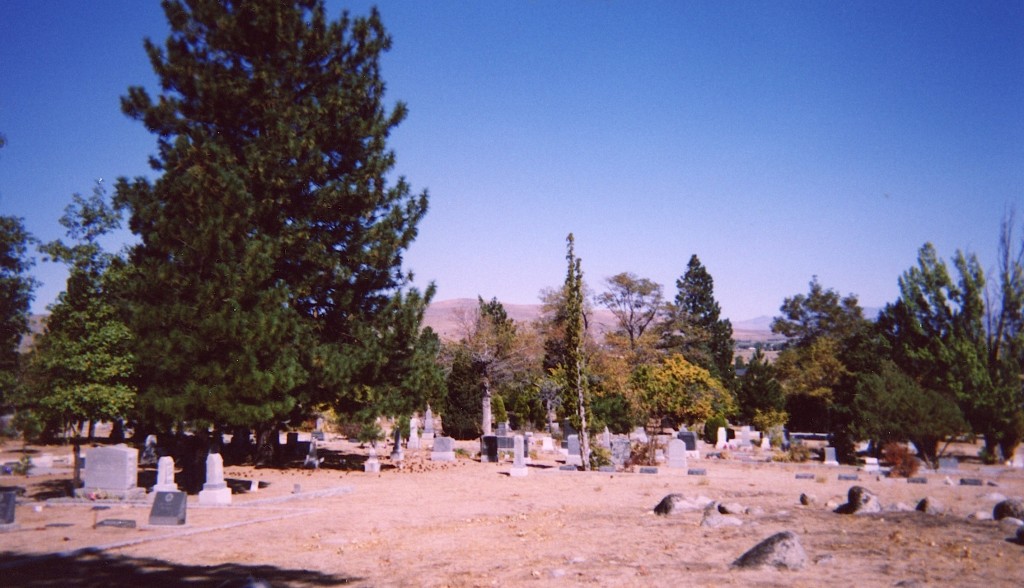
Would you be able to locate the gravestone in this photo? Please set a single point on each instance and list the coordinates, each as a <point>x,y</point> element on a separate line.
<point>605,440</point>
<point>805,476</point>
<point>165,475</point>
<point>574,457</point>
<point>676,454</point>
<point>372,464</point>
<point>489,449</point>
<point>621,451</point>
<point>830,456</point>
<point>971,482</point>
<point>292,440</point>
<point>568,468</point>
<point>397,454</point>
<point>689,438</point>
<point>849,477</point>
<point>318,436</point>
<point>640,435</point>
<point>546,445</point>
<point>117,523</point>
<point>917,480</point>
<point>766,443</point>
<point>215,490</point>
<point>518,462</point>
<point>871,465</point>
<point>149,451</point>
<point>428,425</point>
<point>312,460</point>
<point>414,433</point>
<point>169,508</point>
<point>949,465</point>
<point>502,430</point>
<point>444,449</point>
<point>528,441</point>
<point>112,471</point>
<point>8,499</point>
<point>721,439</point>
<point>696,472</point>
<point>648,470</point>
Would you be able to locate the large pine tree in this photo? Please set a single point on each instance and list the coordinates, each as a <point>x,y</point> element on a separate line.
<point>269,268</point>
<point>695,327</point>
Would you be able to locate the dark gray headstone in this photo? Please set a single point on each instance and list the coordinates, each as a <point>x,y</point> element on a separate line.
<point>506,443</point>
<point>648,470</point>
<point>318,435</point>
<point>489,449</point>
<point>689,438</point>
<point>949,464</point>
<point>805,476</point>
<point>292,439</point>
<point>169,508</point>
<point>917,480</point>
<point>696,472</point>
<point>568,468</point>
<point>971,482</point>
<point>849,477</point>
<point>7,500</point>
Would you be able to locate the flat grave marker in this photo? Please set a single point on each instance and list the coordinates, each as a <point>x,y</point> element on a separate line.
<point>805,476</point>
<point>849,477</point>
<point>696,472</point>
<point>971,482</point>
<point>648,470</point>
<point>917,480</point>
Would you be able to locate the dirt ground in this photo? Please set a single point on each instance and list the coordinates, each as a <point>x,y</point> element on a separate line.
<point>471,524</point>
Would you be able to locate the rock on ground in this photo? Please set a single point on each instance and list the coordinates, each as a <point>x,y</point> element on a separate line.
<point>677,503</point>
<point>781,550</point>
<point>713,518</point>
<point>860,500</point>
<point>1011,507</point>
<point>929,505</point>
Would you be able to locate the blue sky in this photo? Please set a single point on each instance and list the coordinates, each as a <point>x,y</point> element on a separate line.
<point>776,140</point>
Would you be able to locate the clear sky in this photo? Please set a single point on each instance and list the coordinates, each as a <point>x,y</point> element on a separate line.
<point>776,140</point>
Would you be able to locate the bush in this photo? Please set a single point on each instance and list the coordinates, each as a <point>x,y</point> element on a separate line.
<point>798,453</point>
<point>599,456</point>
<point>900,460</point>
<point>711,428</point>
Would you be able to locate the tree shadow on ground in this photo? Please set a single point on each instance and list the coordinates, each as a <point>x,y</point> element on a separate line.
<point>105,569</point>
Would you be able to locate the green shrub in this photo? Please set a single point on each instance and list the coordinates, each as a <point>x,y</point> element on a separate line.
<point>711,428</point>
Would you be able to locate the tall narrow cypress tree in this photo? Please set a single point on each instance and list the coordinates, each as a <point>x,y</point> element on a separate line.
<point>269,271</point>
<point>574,357</point>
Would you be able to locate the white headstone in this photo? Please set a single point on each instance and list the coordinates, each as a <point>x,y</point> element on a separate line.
<point>830,456</point>
<point>722,439</point>
<point>414,438</point>
<point>215,490</point>
<point>372,464</point>
<point>165,475</point>
<point>546,445</point>
<point>518,461</point>
<point>606,439</point>
<point>676,454</point>
<point>640,435</point>
<point>766,443</point>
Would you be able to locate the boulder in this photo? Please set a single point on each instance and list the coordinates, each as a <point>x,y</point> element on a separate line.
<point>1011,507</point>
<point>807,499</point>
<point>677,503</point>
<point>713,518</point>
<point>860,500</point>
<point>781,550</point>
<point>929,505</point>
<point>731,509</point>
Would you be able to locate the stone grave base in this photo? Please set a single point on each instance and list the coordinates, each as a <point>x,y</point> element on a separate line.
<point>215,496</point>
<point>131,494</point>
<point>442,456</point>
<point>517,472</point>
